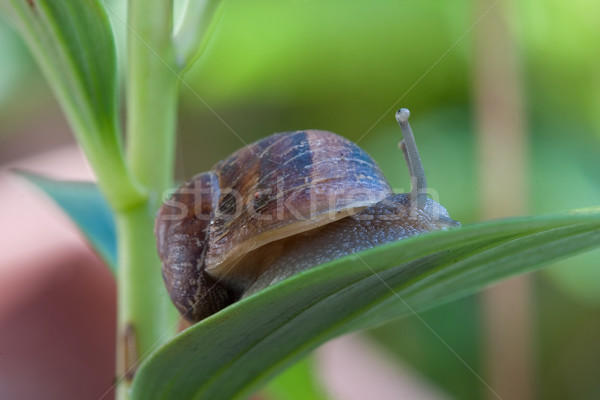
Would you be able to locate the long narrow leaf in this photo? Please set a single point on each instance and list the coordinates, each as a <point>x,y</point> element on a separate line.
<point>73,44</point>
<point>232,353</point>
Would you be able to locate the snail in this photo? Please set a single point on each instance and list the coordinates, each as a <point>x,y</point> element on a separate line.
<point>279,206</point>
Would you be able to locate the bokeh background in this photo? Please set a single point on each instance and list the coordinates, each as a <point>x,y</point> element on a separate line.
<point>505,101</point>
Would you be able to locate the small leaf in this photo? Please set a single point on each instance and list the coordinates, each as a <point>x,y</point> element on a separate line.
<point>85,205</point>
<point>199,21</point>
<point>230,354</point>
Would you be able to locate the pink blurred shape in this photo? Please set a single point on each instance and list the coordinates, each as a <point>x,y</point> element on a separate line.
<point>57,300</point>
<point>354,368</point>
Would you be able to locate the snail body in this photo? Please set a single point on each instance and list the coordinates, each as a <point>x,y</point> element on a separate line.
<point>277,207</point>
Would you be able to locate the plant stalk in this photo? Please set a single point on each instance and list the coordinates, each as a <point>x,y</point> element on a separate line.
<point>152,89</point>
<point>146,317</point>
<point>502,138</point>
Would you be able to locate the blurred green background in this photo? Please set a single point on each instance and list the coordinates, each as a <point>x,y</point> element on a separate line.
<point>346,66</point>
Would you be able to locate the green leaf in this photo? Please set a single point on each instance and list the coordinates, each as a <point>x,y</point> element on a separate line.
<point>232,353</point>
<point>73,44</point>
<point>85,205</point>
<point>199,20</point>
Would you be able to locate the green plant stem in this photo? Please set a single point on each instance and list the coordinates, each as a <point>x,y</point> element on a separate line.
<point>152,88</point>
<point>144,306</point>
<point>147,318</point>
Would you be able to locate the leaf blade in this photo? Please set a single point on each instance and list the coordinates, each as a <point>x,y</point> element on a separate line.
<point>73,45</point>
<point>231,353</point>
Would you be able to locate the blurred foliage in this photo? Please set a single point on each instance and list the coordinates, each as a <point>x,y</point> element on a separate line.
<point>296,383</point>
<point>14,68</point>
<point>345,66</point>
<point>561,52</point>
<point>458,323</point>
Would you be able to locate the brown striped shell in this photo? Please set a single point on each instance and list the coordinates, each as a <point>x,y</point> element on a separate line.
<point>280,186</point>
<point>285,184</point>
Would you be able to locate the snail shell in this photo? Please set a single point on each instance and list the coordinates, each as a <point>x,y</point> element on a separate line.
<point>276,207</point>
